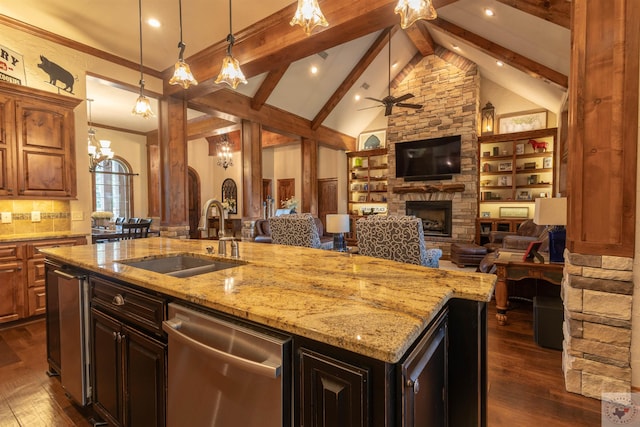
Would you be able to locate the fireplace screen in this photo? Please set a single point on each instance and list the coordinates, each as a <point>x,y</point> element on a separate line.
<point>436,216</point>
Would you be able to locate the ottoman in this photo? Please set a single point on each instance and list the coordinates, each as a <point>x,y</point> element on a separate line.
<point>463,254</point>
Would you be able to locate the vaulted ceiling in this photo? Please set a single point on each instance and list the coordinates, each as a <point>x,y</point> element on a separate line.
<point>530,37</point>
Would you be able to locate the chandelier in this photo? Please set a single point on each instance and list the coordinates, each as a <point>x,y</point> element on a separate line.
<point>225,157</point>
<point>412,10</point>
<point>98,150</point>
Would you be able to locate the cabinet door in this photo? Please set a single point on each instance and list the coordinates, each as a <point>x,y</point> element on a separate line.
<point>44,135</point>
<point>106,366</point>
<point>11,291</point>
<point>145,379</point>
<point>334,393</point>
<point>7,154</point>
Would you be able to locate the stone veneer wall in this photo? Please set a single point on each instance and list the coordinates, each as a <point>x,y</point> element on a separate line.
<point>597,291</point>
<point>449,87</point>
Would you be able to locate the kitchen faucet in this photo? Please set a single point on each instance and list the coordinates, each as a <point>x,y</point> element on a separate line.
<point>205,213</point>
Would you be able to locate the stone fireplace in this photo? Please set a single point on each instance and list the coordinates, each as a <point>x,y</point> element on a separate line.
<point>448,87</point>
<point>435,215</point>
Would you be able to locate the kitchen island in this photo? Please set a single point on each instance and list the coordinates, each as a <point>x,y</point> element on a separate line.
<point>338,304</point>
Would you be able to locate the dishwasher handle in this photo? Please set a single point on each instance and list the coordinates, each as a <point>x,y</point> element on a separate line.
<point>267,369</point>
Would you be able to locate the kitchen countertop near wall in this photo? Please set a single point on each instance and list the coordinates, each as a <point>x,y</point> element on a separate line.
<point>371,306</point>
<point>9,238</point>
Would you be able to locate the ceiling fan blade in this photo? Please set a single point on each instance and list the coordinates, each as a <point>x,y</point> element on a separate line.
<point>403,97</point>
<point>387,109</point>
<point>368,108</point>
<point>374,99</point>
<point>402,104</point>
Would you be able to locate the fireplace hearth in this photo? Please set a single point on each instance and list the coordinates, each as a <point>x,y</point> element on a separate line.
<point>435,215</point>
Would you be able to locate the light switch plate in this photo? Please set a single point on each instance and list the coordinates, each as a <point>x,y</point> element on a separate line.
<point>77,216</point>
<point>35,216</point>
<point>6,217</point>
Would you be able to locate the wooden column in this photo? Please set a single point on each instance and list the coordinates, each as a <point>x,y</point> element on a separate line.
<point>174,221</point>
<point>603,127</point>
<point>251,169</point>
<point>309,176</point>
<point>153,179</point>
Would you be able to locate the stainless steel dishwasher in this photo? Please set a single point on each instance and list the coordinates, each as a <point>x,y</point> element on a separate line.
<point>222,374</point>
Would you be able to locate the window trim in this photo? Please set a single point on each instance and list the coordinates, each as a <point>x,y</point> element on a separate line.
<point>129,174</point>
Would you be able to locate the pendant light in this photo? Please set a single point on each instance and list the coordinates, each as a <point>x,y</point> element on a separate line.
<point>182,74</point>
<point>98,151</point>
<point>142,107</point>
<point>412,10</point>
<point>308,16</point>
<point>230,73</point>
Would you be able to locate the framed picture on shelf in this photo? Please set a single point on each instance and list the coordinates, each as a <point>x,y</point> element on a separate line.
<point>514,212</point>
<point>486,214</point>
<point>372,140</point>
<point>547,163</point>
<point>519,149</point>
<point>524,195</point>
<point>362,198</point>
<point>522,121</point>
<point>504,166</point>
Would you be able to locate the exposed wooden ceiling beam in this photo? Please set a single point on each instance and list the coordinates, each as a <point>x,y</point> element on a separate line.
<point>272,139</point>
<point>275,118</point>
<point>354,75</point>
<point>526,65</point>
<point>419,35</point>
<point>204,126</point>
<point>267,86</point>
<point>556,11</point>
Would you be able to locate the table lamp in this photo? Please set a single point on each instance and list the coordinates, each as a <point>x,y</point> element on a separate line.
<point>338,224</point>
<point>553,212</point>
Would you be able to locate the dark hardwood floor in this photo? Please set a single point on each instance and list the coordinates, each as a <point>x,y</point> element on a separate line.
<point>526,386</point>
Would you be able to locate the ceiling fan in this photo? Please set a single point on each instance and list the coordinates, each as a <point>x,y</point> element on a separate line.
<point>388,102</point>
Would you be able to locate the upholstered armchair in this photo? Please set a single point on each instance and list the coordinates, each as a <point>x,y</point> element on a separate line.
<point>397,238</point>
<point>294,230</point>
<point>527,232</point>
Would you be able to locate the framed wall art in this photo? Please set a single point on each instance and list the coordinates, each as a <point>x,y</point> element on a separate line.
<point>523,121</point>
<point>514,212</point>
<point>372,140</point>
<point>504,166</point>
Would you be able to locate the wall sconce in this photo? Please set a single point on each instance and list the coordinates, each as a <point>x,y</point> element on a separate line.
<point>412,10</point>
<point>142,106</point>
<point>225,157</point>
<point>488,119</point>
<point>182,73</point>
<point>230,73</point>
<point>308,16</point>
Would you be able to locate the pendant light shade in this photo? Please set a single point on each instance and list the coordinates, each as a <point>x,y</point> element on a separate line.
<point>182,73</point>
<point>308,16</point>
<point>412,10</point>
<point>142,107</point>
<point>230,73</point>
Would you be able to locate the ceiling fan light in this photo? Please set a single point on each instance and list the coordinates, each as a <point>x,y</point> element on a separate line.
<point>182,75</point>
<point>231,73</point>
<point>142,107</point>
<point>412,10</point>
<point>308,16</point>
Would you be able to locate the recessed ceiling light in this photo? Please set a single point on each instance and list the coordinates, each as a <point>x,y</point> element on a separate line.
<point>394,65</point>
<point>489,12</point>
<point>455,47</point>
<point>154,22</point>
<point>357,97</point>
<point>499,63</point>
<point>314,69</point>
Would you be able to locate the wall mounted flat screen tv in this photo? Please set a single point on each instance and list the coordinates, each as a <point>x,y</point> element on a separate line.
<point>428,159</point>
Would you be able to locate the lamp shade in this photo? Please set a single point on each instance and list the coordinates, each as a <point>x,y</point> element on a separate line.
<point>337,223</point>
<point>551,211</point>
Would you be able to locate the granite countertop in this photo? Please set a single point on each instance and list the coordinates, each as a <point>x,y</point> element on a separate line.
<point>9,238</point>
<point>370,306</point>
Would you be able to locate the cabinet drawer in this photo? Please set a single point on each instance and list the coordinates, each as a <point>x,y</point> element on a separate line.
<point>10,252</point>
<point>33,249</point>
<point>35,272</point>
<point>37,301</point>
<point>128,305</point>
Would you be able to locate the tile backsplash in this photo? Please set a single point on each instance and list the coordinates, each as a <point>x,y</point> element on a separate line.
<point>55,215</point>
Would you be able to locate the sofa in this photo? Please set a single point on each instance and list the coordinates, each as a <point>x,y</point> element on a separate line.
<point>263,233</point>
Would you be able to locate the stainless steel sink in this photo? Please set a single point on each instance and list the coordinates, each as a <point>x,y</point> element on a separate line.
<point>181,265</point>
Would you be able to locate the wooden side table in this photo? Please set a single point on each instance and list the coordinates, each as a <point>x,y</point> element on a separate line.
<point>509,266</point>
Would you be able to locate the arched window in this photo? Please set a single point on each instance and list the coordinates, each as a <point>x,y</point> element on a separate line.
<point>112,188</point>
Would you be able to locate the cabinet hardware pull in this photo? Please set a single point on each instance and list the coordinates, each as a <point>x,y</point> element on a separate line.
<point>118,300</point>
<point>115,335</point>
<point>415,385</point>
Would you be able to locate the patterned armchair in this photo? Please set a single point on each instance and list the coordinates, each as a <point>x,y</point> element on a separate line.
<point>294,230</point>
<point>397,238</point>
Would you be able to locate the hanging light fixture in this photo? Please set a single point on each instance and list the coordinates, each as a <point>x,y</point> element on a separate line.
<point>182,74</point>
<point>98,151</point>
<point>225,157</point>
<point>308,16</point>
<point>412,10</point>
<point>230,73</point>
<point>142,107</point>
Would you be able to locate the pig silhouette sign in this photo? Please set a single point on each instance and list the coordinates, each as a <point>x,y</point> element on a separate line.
<point>57,74</point>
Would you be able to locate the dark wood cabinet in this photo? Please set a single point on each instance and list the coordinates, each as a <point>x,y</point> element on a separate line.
<point>37,143</point>
<point>334,393</point>
<point>128,362</point>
